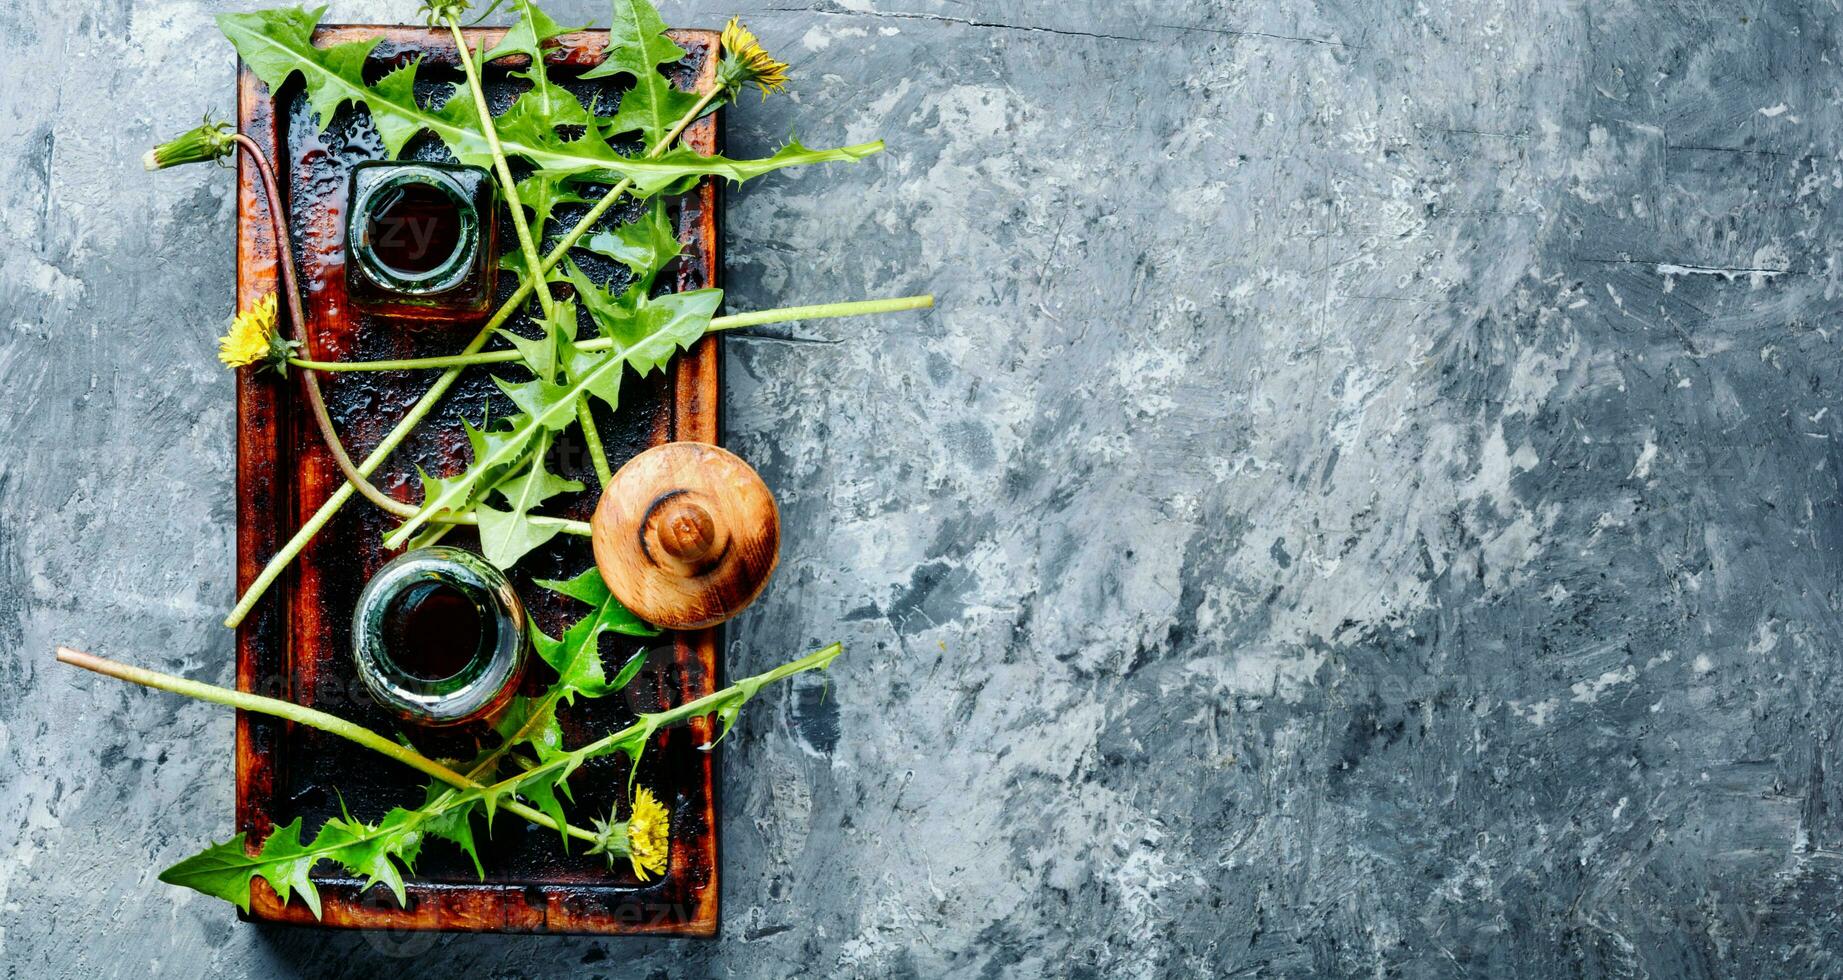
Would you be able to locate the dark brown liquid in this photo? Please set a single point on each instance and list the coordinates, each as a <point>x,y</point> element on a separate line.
<point>414,228</point>
<point>432,631</point>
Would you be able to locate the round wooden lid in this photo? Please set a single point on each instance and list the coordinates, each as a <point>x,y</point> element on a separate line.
<point>686,535</point>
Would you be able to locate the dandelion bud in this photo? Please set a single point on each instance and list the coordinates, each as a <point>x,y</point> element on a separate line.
<point>210,141</point>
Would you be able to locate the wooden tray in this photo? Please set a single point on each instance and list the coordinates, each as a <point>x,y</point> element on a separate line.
<point>296,642</point>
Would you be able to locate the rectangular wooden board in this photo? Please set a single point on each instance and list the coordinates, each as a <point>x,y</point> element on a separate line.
<point>296,643</point>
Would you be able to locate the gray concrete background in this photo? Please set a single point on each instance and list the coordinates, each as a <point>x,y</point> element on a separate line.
<point>1367,503</point>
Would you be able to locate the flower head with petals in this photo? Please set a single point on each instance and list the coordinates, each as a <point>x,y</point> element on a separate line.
<point>252,339</point>
<point>644,838</point>
<point>745,61</point>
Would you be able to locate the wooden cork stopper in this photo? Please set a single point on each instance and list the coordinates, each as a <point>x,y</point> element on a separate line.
<point>686,535</point>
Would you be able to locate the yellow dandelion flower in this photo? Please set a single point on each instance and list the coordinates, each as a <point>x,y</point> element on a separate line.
<point>744,61</point>
<point>648,831</point>
<point>251,339</point>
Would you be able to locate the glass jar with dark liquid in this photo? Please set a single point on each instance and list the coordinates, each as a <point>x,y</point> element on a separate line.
<point>420,240</point>
<point>439,637</point>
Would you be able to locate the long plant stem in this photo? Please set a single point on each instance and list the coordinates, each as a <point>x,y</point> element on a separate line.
<point>592,440</point>
<point>578,528</point>
<point>297,319</point>
<point>649,723</point>
<point>507,185</point>
<point>632,737</point>
<point>312,718</point>
<point>309,530</point>
<point>783,315</point>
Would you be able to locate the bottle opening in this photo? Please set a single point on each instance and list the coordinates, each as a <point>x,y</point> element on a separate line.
<point>433,631</point>
<point>414,228</point>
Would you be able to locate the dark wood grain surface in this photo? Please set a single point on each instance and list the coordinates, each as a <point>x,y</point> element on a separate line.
<point>296,643</point>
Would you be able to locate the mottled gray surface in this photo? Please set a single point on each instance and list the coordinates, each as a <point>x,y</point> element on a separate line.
<point>1367,503</point>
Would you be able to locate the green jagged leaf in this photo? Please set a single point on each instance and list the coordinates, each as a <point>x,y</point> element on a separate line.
<point>453,824</point>
<point>637,46</point>
<point>278,44</point>
<point>662,328</point>
<point>535,115</point>
<point>542,109</point>
<point>508,535</point>
<point>372,851</point>
<point>541,193</point>
<point>226,870</point>
<point>588,588</point>
<point>646,333</point>
<point>726,705</point>
<point>381,852</point>
<point>591,590</point>
<point>643,245</point>
<point>531,397</point>
<point>579,672</point>
<point>540,353</point>
<point>542,790</point>
<point>635,746</point>
<point>444,487</point>
<point>369,849</point>
<point>485,442</point>
<point>396,129</point>
<point>495,480</point>
<point>576,657</point>
<point>530,721</point>
<point>628,671</point>
<point>529,36</point>
<point>514,261</point>
<point>476,438</point>
<point>603,306</point>
<point>677,169</point>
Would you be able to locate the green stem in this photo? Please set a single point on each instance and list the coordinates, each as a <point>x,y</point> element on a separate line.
<point>733,695</point>
<point>598,456</point>
<point>289,711</point>
<point>308,531</point>
<point>449,520</point>
<point>534,719</point>
<point>578,528</point>
<point>709,704</point>
<point>782,315</point>
<point>489,765</point>
<point>297,321</point>
<point>824,311</point>
<point>684,121</point>
<point>507,185</point>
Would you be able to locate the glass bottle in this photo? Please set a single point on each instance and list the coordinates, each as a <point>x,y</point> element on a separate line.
<point>420,240</point>
<point>440,637</point>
